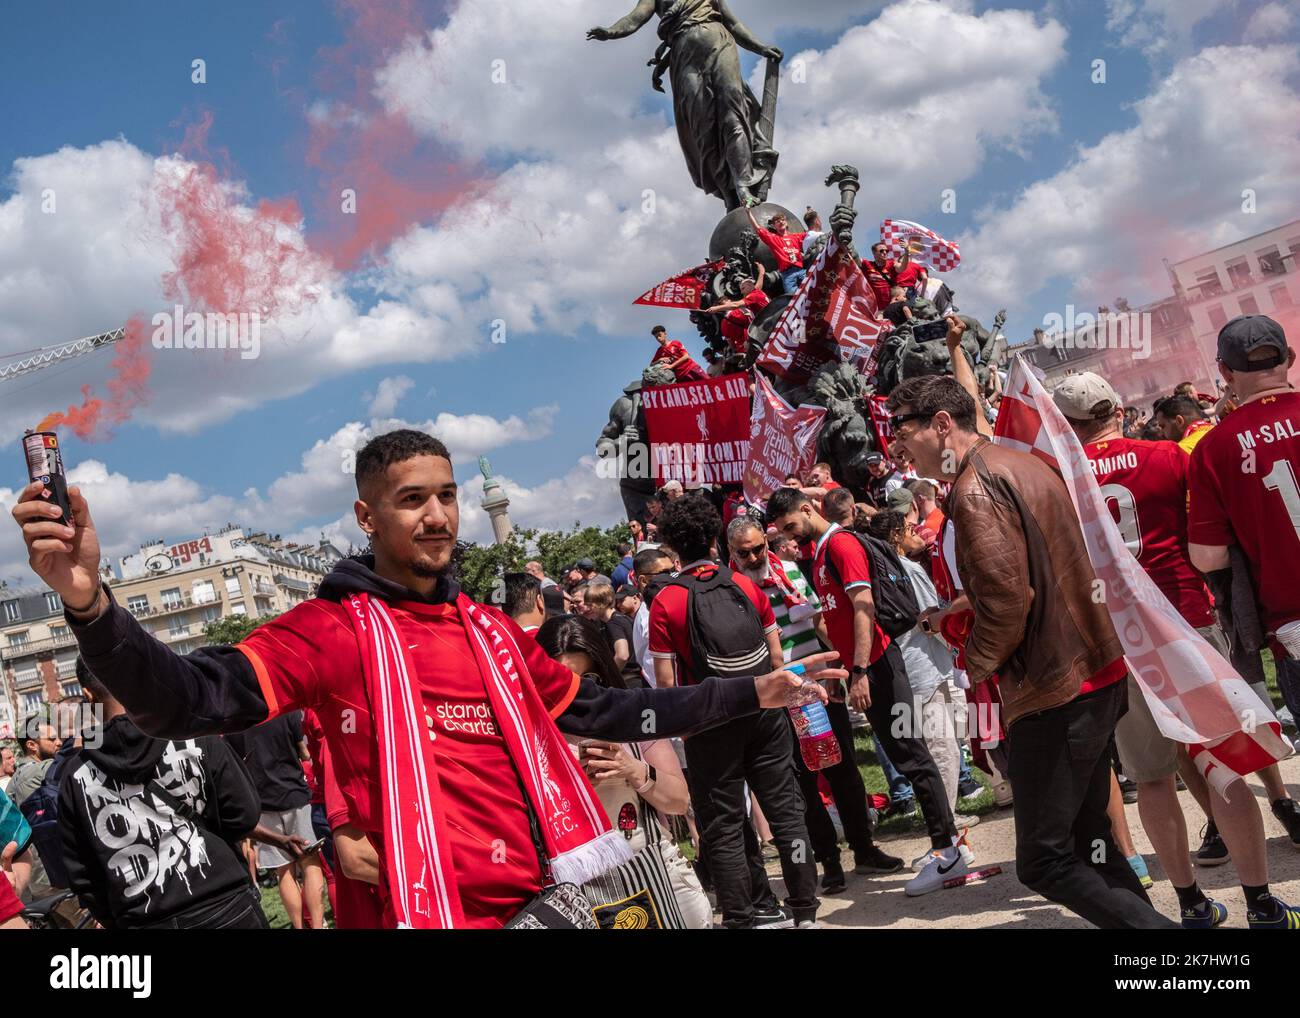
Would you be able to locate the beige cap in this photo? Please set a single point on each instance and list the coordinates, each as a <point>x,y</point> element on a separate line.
<point>1086,397</point>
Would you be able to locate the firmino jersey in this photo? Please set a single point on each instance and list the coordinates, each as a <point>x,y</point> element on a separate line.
<point>1245,483</point>
<point>1145,487</point>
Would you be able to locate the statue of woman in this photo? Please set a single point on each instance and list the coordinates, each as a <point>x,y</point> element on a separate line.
<point>720,124</point>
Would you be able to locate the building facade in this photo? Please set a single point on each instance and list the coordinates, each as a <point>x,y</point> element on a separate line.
<point>1259,275</point>
<point>175,590</point>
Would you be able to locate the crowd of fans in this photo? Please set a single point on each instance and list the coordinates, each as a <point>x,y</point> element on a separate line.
<point>944,611</point>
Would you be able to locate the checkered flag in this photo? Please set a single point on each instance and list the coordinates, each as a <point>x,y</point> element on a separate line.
<point>927,247</point>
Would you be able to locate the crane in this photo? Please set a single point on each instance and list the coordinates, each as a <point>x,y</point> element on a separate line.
<point>35,360</point>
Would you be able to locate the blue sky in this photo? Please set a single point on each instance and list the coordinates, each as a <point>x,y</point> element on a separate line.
<point>82,74</point>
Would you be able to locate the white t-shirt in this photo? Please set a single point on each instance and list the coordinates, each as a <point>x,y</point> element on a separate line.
<point>641,643</point>
<point>928,659</point>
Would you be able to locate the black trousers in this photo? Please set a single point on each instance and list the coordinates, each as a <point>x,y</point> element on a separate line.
<point>1060,774</point>
<point>848,789</point>
<point>907,751</point>
<point>241,910</point>
<point>757,750</point>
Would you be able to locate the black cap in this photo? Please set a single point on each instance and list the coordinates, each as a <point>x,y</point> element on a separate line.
<point>1247,333</point>
<point>627,590</point>
<point>553,600</point>
<point>873,458</point>
<point>586,565</point>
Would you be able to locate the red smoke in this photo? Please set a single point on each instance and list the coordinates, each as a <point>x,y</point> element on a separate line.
<point>399,180</point>
<point>230,259</point>
<point>127,389</point>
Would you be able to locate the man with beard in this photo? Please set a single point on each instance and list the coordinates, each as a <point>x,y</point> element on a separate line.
<point>439,714</point>
<point>798,618</point>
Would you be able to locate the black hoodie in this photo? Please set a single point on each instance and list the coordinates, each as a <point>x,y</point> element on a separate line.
<point>130,858</point>
<point>215,689</point>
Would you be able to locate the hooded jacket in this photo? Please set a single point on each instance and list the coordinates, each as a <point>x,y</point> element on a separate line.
<point>131,859</point>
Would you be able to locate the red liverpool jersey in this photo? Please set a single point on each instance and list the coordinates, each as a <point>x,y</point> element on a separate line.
<point>1145,487</point>
<point>1245,482</point>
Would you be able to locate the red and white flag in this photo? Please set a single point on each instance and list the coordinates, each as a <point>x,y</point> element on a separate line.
<point>1196,697</point>
<point>782,441</point>
<point>683,291</point>
<point>926,246</point>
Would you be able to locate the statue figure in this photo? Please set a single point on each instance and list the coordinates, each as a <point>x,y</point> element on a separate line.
<point>847,437</point>
<point>725,134</point>
<point>624,444</point>
<point>485,468</point>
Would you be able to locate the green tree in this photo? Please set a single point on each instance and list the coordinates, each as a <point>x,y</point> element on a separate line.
<point>233,628</point>
<point>480,569</point>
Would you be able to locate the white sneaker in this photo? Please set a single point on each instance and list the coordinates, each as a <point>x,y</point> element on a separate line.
<point>962,820</point>
<point>921,861</point>
<point>945,864</point>
<point>1002,793</point>
<point>808,924</point>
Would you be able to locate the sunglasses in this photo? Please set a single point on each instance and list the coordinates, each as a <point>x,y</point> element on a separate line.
<point>898,420</point>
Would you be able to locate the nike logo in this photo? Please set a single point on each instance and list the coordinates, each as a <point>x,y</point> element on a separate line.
<point>944,869</point>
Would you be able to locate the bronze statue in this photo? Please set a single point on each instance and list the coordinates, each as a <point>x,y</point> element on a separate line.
<point>725,134</point>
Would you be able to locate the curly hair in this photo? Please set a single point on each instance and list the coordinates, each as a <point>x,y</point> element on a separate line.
<point>886,524</point>
<point>690,526</point>
<point>382,451</point>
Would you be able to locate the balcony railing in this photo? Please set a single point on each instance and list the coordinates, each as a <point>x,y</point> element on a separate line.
<point>13,651</point>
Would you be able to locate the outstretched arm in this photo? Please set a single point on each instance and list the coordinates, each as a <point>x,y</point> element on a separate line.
<point>626,26</point>
<point>743,36</point>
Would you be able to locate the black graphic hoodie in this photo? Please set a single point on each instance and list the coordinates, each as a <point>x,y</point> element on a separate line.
<point>131,859</point>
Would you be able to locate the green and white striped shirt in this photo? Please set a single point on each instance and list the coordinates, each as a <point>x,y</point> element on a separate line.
<point>798,639</point>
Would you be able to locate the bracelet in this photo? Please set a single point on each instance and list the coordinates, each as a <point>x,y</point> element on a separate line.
<point>86,610</point>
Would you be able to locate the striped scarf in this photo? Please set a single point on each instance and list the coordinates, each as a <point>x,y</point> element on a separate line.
<point>421,876</point>
<point>775,578</point>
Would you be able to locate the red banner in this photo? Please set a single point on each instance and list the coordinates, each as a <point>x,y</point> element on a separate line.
<point>698,431</point>
<point>832,317</point>
<point>782,441</point>
<point>880,421</point>
<point>682,291</point>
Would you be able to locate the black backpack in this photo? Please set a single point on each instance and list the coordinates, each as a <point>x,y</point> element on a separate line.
<point>41,809</point>
<point>896,606</point>
<point>725,632</point>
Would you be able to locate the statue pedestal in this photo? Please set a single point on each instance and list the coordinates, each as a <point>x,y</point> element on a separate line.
<point>726,234</point>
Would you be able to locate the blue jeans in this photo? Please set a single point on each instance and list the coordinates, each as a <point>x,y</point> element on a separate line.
<point>791,278</point>
<point>963,773</point>
<point>900,789</point>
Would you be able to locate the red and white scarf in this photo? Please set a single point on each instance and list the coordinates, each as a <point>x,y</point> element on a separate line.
<point>775,578</point>
<point>421,875</point>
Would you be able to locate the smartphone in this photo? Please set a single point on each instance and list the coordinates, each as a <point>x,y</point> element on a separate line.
<point>315,846</point>
<point>13,825</point>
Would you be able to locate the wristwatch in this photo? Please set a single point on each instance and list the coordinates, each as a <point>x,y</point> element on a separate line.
<point>651,776</point>
<point>857,671</point>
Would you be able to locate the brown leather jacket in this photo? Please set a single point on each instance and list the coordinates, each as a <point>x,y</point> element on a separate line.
<point>1023,563</point>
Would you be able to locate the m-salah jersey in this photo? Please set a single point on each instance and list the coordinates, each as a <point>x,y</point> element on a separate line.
<point>1145,486</point>
<point>1245,482</point>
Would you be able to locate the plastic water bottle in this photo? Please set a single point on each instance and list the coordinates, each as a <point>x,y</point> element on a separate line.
<point>817,743</point>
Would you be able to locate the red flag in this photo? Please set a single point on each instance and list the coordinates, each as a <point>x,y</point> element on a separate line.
<point>854,316</point>
<point>698,431</point>
<point>683,290</point>
<point>782,441</point>
<point>1196,697</point>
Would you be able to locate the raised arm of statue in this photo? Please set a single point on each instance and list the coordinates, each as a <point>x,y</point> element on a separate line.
<point>743,36</point>
<point>624,27</point>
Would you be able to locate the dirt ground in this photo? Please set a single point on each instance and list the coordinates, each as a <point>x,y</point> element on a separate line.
<point>1002,902</point>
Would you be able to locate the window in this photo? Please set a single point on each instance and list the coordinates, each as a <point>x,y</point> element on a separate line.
<point>171,597</point>
<point>232,586</point>
<point>1207,280</point>
<point>210,614</point>
<point>18,639</point>
<point>238,608</point>
<point>1217,318</point>
<point>204,592</point>
<point>32,702</point>
<point>1270,261</point>
<point>176,625</point>
<point>137,604</point>
<point>1281,296</point>
<point>1239,273</point>
<point>11,611</point>
<point>52,603</point>
<point>71,688</point>
<point>1249,305</point>
<point>59,632</point>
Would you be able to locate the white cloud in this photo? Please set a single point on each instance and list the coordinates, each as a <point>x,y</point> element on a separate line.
<point>388,394</point>
<point>560,240</point>
<point>1272,21</point>
<point>1160,27</point>
<point>580,495</point>
<point>1167,187</point>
